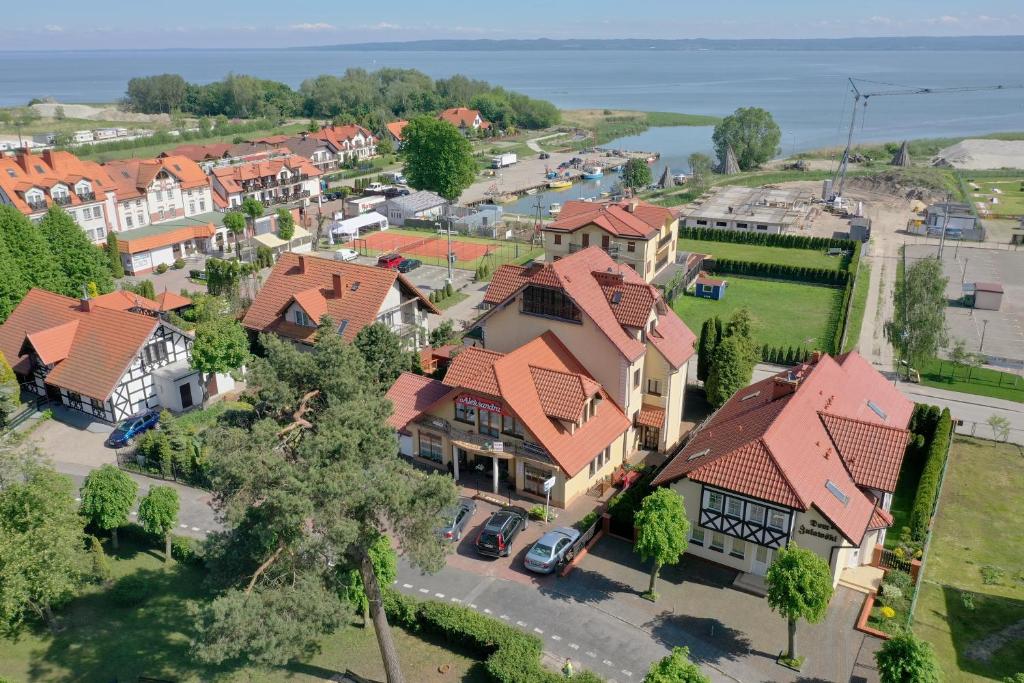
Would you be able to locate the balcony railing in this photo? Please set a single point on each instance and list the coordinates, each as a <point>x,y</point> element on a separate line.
<point>666,238</point>
<point>62,199</point>
<point>37,206</point>
<point>86,196</point>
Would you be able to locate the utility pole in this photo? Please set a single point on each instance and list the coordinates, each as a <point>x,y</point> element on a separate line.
<point>945,223</point>
<point>963,274</point>
<point>984,327</point>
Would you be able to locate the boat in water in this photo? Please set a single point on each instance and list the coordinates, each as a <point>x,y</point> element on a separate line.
<point>559,184</point>
<point>592,173</point>
<point>532,190</point>
<point>555,208</point>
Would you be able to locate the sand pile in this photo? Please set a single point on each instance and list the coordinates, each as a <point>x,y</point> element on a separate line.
<point>980,154</point>
<point>85,111</point>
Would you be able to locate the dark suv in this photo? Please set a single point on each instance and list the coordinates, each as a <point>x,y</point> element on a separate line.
<point>500,531</point>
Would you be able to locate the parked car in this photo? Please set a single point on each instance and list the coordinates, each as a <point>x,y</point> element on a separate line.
<point>545,155</point>
<point>409,264</point>
<point>126,432</point>
<point>346,255</point>
<point>373,188</point>
<point>549,550</point>
<point>389,260</point>
<point>458,518</point>
<point>500,531</point>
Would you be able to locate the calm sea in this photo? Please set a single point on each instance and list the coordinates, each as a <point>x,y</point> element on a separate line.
<point>806,91</point>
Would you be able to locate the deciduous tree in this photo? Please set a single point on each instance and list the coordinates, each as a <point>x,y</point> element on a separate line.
<point>442,334</point>
<point>663,531</point>
<point>753,135</point>
<point>437,157</point>
<point>10,392</point>
<point>253,209</point>
<point>12,285</point>
<point>221,345</point>
<point>636,175</point>
<point>799,587</point>
<point>108,495</point>
<point>1000,427</point>
<point>158,514</point>
<point>235,222</point>
<point>285,224</point>
<point>30,252</point>
<point>79,260</point>
<point>701,166</point>
<point>905,658</point>
<point>918,326</point>
<point>385,566</point>
<point>733,359</point>
<point>676,668</point>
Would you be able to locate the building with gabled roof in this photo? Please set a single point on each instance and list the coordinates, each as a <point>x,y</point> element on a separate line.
<point>352,141</point>
<point>273,180</point>
<point>152,191</point>
<point>465,119</point>
<point>98,357</point>
<point>635,233</point>
<point>394,129</point>
<point>302,289</point>
<point>618,325</point>
<point>534,413</point>
<point>810,455</point>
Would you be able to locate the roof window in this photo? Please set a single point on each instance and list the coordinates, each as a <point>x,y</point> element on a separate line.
<point>699,454</point>
<point>834,489</point>
<point>342,326</point>
<point>11,173</point>
<point>616,297</point>
<point>355,286</point>
<point>39,169</point>
<point>877,409</point>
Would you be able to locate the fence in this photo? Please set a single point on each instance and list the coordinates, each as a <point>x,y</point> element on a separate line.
<point>888,559</point>
<point>583,540</point>
<point>983,430</point>
<point>130,460</point>
<point>28,409</point>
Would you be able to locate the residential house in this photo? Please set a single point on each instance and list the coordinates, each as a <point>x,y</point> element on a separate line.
<point>394,132</point>
<point>152,191</point>
<point>320,152</point>
<point>958,220</point>
<point>809,455</point>
<point>201,154</point>
<point>302,289</point>
<point>619,327</point>
<point>275,180</point>
<point>421,205</point>
<point>102,360</point>
<point>466,120</point>
<point>527,416</point>
<point>33,183</point>
<point>144,249</point>
<point>634,233</point>
<point>352,141</point>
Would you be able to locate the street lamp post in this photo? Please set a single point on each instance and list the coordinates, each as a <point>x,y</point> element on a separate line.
<point>984,327</point>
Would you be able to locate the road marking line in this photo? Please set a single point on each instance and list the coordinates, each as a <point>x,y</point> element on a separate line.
<point>456,600</point>
<point>439,595</point>
<point>487,611</point>
<point>424,590</point>
<point>78,500</point>
<point>554,637</point>
<point>520,623</point>
<point>606,662</point>
<point>574,646</point>
<point>472,605</point>
<point>406,585</point>
<point>627,672</point>
<point>592,654</point>
<point>133,513</point>
<point>395,582</point>
<point>505,617</point>
<point>195,528</point>
<point>537,630</point>
<point>183,526</point>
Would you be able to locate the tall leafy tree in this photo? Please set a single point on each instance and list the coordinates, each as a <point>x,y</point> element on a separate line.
<point>437,157</point>
<point>918,326</point>
<point>753,135</point>
<point>905,658</point>
<point>285,224</point>
<point>235,222</point>
<point>705,349</point>
<point>799,587</point>
<point>663,531</point>
<point>636,175</point>
<point>41,539</point>
<point>221,345</point>
<point>385,566</point>
<point>306,490</point>
<point>676,668</point>
<point>10,392</point>
<point>158,514</point>
<point>108,495</point>
<point>114,256</point>
<point>30,252</point>
<point>382,350</point>
<point>12,284</point>
<point>80,261</point>
<point>701,166</point>
<point>731,363</point>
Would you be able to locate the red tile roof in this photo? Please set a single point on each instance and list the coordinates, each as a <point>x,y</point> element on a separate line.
<point>591,278</point>
<point>461,117</point>
<point>122,300</point>
<point>411,395</point>
<point>92,349</point>
<point>650,416</point>
<point>702,280</point>
<point>144,239</point>
<point>343,137</point>
<point>364,289</point>
<point>134,176</point>
<point>216,150</point>
<point>169,301</point>
<point>473,368</point>
<point>25,171</point>
<point>231,177</point>
<point>396,128</point>
<point>628,218</point>
<point>778,421</point>
<point>993,287</point>
<point>563,395</point>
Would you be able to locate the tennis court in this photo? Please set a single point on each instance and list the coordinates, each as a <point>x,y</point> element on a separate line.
<point>432,248</point>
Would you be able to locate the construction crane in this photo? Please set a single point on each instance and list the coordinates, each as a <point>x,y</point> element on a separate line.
<point>839,179</point>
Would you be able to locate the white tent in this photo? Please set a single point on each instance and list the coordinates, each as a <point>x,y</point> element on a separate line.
<point>352,226</point>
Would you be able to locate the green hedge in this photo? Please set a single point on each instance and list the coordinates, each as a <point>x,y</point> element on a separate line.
<point>777,271</point>
<point>765,239</point>
<point>781,355</point>
<point>928,486</point>
<point>511,655</point>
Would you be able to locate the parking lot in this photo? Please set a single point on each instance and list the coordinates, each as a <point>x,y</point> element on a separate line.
<point>1003,330</point>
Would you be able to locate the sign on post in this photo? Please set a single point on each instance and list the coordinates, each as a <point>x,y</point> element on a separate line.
<point>549,484</point>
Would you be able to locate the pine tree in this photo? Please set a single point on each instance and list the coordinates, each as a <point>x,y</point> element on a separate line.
<point>114,256</point>
<point>80,261</point>
<point>705,346</point>
<point>30,252</point>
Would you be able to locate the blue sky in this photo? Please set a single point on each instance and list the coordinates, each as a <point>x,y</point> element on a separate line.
<point>72,24</point>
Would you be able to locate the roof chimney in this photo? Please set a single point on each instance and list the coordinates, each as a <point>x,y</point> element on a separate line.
<point>85,302</point>
<point>336,282</point>
<point>302,264</point>
<point>784,385</point>
<point>631,207</point>
<point>815,357</point>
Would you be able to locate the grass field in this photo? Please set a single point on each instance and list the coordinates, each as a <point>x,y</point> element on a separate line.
<point>97,153</point>
<point>102,642</point>
<point>860,302</point>
<point>1010,195</point>
<point>976,527</point>
<point>784,313</point>
<point>983,381</point>
<point>755,252</point>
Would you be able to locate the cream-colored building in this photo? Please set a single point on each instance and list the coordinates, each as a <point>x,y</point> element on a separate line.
<point>530,416</point>
<point>636,234</point>
<point>810,455</point>
<point>152,191</point>
<point>616,324</point>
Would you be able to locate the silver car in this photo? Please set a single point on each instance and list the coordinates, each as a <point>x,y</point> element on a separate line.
<point>457,519</point>
<point>549,551</point>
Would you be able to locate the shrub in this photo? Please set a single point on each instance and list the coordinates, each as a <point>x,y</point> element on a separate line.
<point>187,551</point>
<point>179,263</point>
<point>538,512</point>
<point>587,520</point>
<point>98,559</point>
<point>928,486</point>
<point>888,612</point>
<point>162,268</point>
<point>402,610</point>
<point>130,591</point>
<point>899,579</point>
<point>991,575</point>
<point>448,289</point>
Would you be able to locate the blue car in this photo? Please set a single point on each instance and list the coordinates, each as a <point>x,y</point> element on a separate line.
<point>132,427</point>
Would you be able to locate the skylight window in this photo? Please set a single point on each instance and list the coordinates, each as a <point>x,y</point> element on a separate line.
<point>39,169</point>
<point>834,489</point>
<point>177,168</point>
<point>752,395</point>
<point>699,454</point>
<point>877,410</point>
<point>355,286</point>
<point>342,326</point>
<point>11,173</point>
<point>616,297</point>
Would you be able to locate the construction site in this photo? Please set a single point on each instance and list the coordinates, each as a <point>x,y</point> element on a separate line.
<point>758,209</point>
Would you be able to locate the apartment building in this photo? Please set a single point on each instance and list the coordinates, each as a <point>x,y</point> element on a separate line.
<point>634,233</point>
<point>151,191</point>
<point>273,180</point>
<point>352,142</point>
<point>618,326</point>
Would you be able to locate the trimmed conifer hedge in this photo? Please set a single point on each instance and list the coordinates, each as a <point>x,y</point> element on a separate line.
<point>776,271</point>
<point>928,485</point>
<point>765,239</point>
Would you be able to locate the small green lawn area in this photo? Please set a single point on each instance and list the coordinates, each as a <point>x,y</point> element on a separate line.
<point>102,642</point>
<point>983,381</point>
<point>784,313</point>
<point>1010,195</point>
<point>455,298</point>
<point>976,527</point>
<point>809,258</point>
<point>860,302</point>
<point>902,502</point>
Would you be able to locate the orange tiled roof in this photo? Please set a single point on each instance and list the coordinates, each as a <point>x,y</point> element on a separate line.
<point>25,171</point>
<point>411,395</point>
<point>313,302</point>
<point>462,117</point>
<point>771,441</point>
<point>627,218</point>
<point>473,368</point>
<point>231,177</point>
<point>363,291</point>
<point>216,150</point>
<point>342,137</point>
<point>169,301</point>
<point>100,343</point>
<point>650,416</point>
<point>134,176</point>
<point>591,278</point>
<point>144,239</point>
<point>122,300</point>
<point>396,128</point>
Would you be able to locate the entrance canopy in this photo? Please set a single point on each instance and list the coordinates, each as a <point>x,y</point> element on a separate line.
<point>352,226</point>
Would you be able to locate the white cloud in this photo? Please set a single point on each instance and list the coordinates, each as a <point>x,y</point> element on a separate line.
<point>883,21</point>
<point>54,28</point>
<point>946,19</point>
<point>319,26</point>
<point>384,26</point>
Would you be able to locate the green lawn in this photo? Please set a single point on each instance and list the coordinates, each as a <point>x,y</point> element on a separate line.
<point>976,526</point>
<point>102,642</point>
<point>903,501</point>
<point>784,313</point>
<point>810,258</point>
<point>860,302</point>
<point>455,298</point>
<point>1010,195</point>
<point>98,153</point>
<point>983,381</point>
